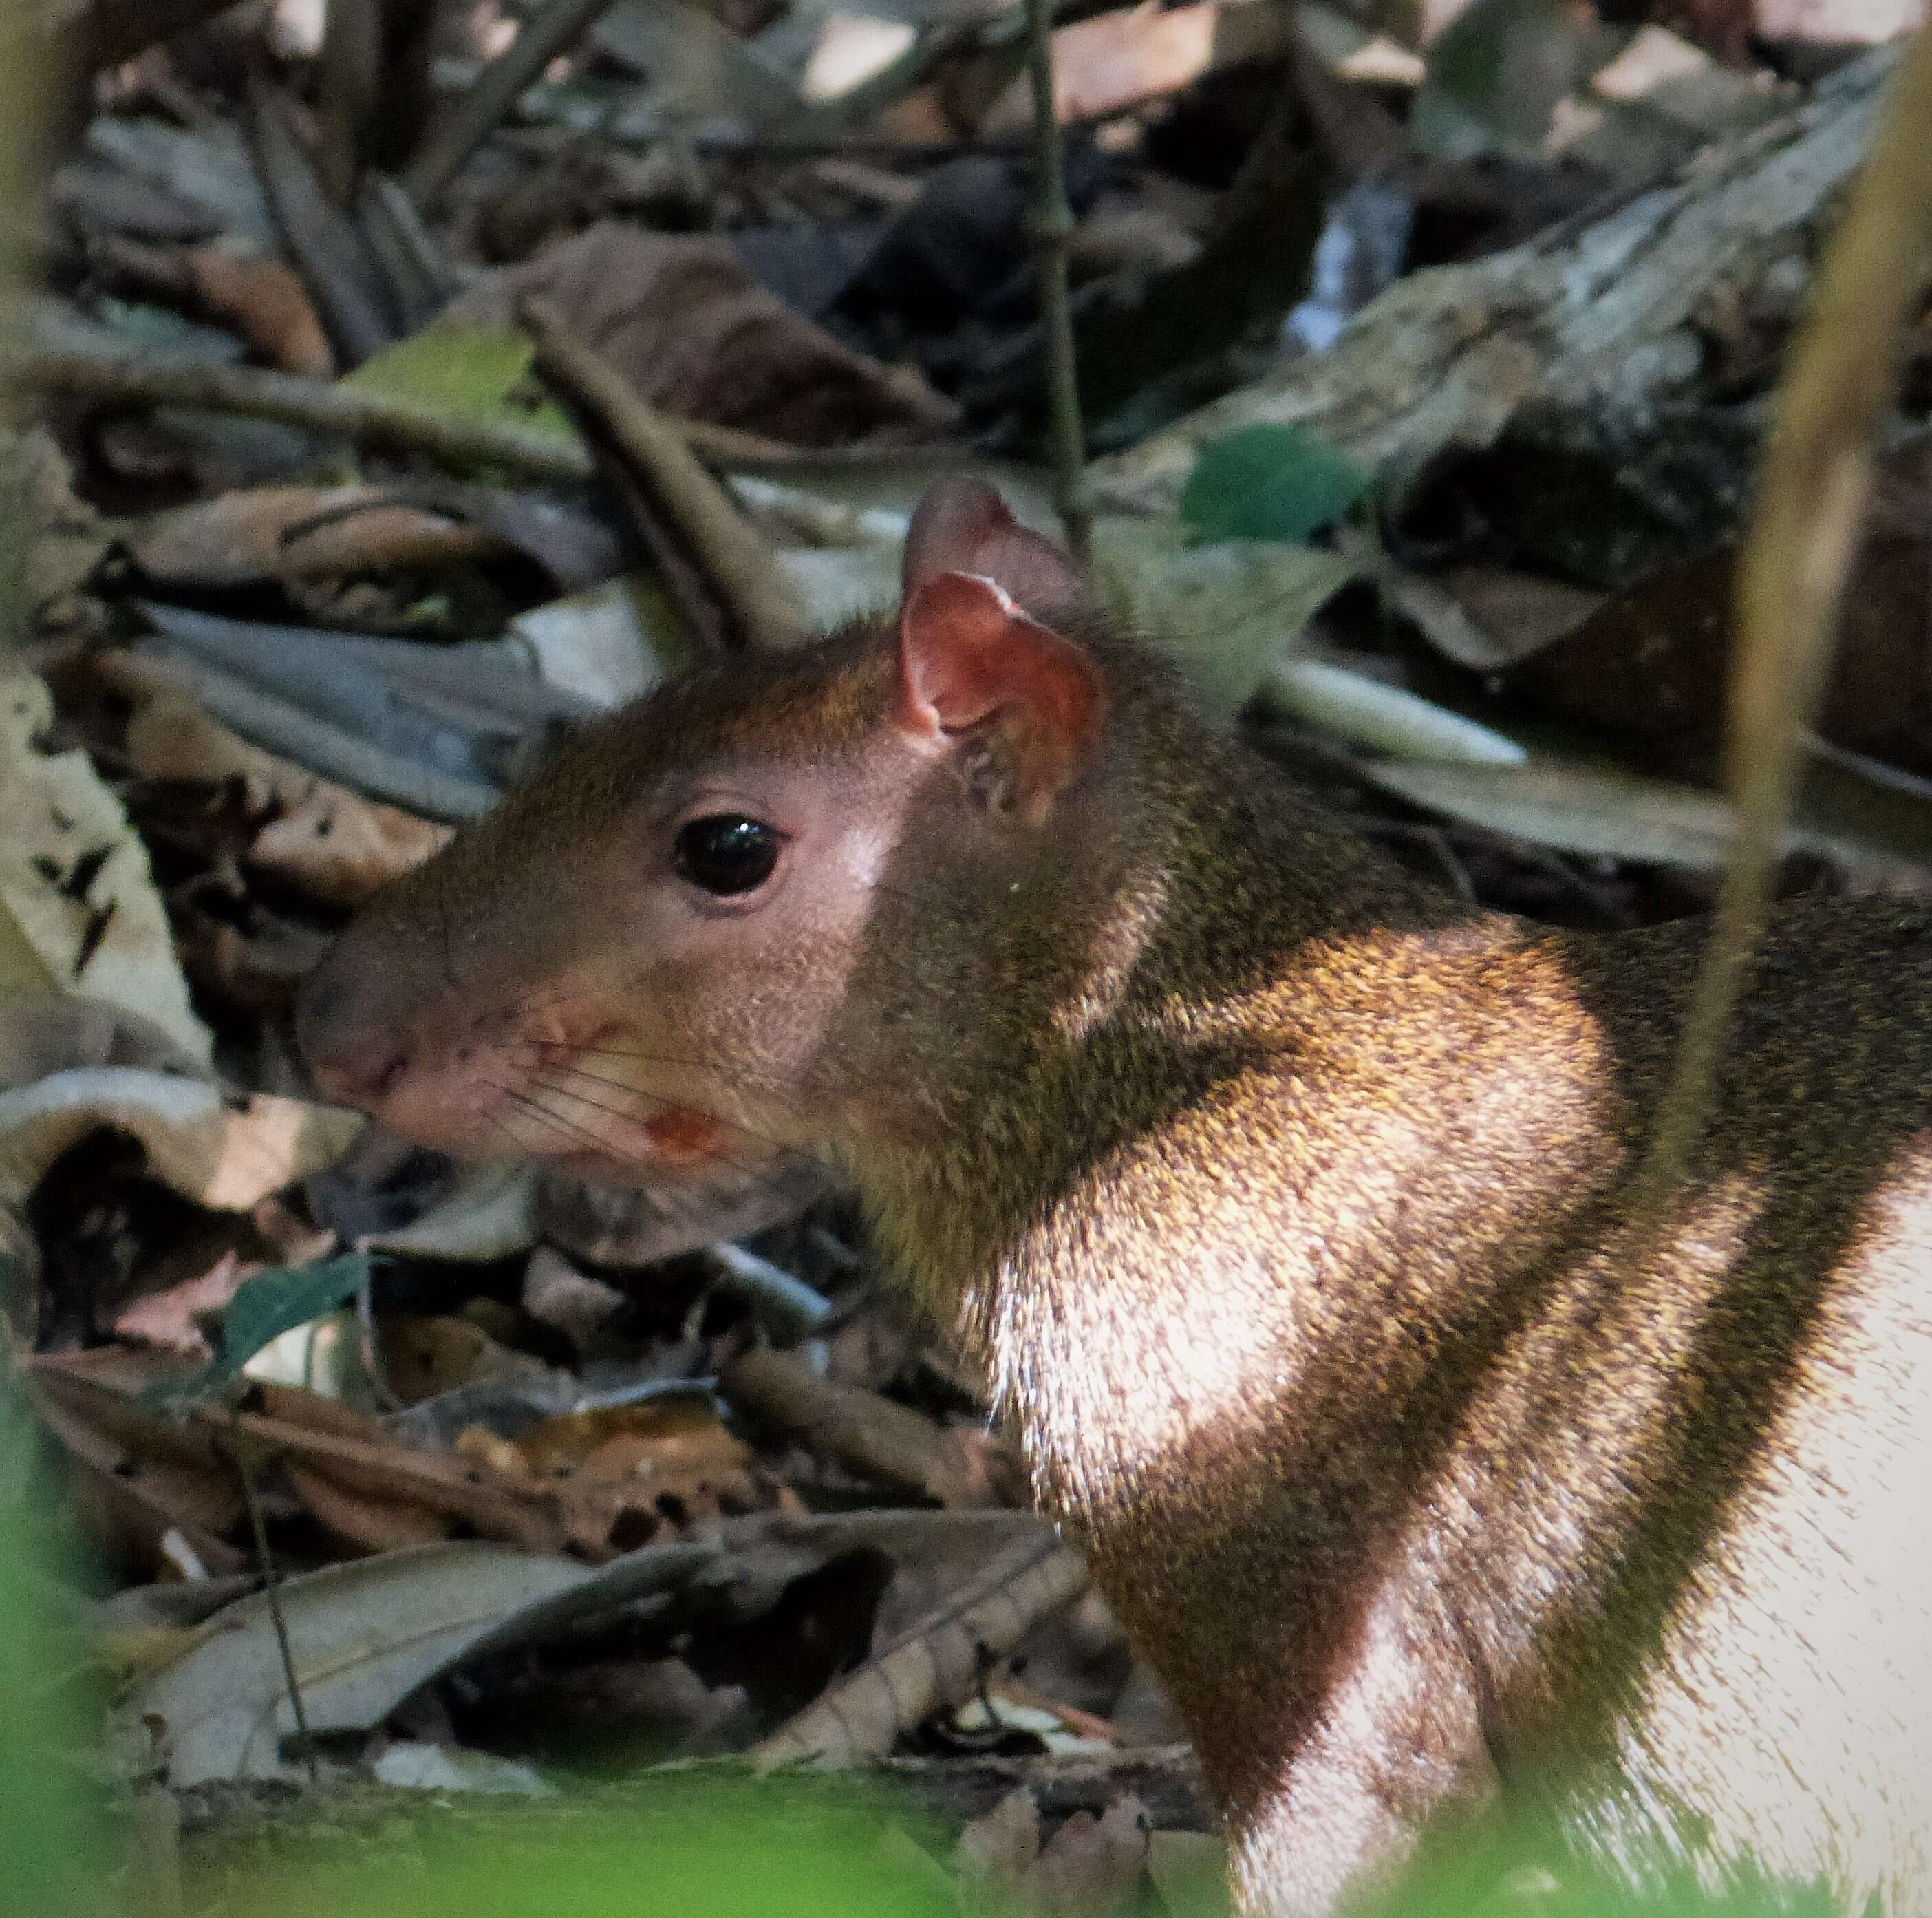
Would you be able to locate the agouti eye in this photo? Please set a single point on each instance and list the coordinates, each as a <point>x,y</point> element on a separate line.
<point>726,854</point>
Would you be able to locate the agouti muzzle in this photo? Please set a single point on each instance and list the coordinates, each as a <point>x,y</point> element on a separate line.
<point>1288,1203</point>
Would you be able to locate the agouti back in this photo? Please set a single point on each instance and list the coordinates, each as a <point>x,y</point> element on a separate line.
<point>1287,1201</point>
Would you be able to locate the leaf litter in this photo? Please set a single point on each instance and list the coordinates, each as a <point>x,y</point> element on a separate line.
<point>549,1473</point>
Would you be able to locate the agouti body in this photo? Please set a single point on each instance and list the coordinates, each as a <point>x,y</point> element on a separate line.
<point>1288,1203</point>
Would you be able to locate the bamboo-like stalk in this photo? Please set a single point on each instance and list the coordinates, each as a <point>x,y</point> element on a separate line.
<point>1052,223</point>
<point>1842,379</point>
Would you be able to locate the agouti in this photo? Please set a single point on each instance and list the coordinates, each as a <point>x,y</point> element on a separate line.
<point>1288,1202</point>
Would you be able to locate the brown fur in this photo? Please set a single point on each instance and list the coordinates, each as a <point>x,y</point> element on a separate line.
<point>1285,1200</point>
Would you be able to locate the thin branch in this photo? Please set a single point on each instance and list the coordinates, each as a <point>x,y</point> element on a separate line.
<point>1844,370</point>
<point>498,88</point>
<point>1052,226</point>
<point>348,413</point>
<point>652,457</point>
<point>271,1587</point>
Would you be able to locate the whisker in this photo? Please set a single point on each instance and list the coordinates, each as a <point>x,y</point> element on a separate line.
<point>618,1112</point>
<point>762,1081</point>
<point>556,1121</point>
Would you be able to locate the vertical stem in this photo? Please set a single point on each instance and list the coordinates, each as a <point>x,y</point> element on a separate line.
<point>272,1586</point>
<point>1052,230</point>
<point>1843,370</point>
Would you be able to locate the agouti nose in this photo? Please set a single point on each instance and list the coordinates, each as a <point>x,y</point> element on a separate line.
<point>352,1056</point>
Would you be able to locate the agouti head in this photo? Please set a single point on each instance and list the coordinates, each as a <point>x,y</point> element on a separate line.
<point>727,918</point>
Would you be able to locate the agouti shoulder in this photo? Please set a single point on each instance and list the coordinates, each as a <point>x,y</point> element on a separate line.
<point>1287,1202</point>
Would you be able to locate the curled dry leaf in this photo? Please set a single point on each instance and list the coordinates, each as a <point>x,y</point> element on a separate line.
<point>262,299</point>
<point>136,1478</point>
<point>1106,63</point>
<point>220,1149</point>
<point>683,321</point>
<point>257,534</point>
<point>363,1636</point>
<point>267,302</point>
<point>75,887</point>
<point>937,1663</point>
<point>673,1456</point>
<point>321,838</point>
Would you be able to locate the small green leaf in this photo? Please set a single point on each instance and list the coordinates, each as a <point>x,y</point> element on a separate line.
<point>1269,482</point>
<point>473,372</point>
<point>265,1306</point>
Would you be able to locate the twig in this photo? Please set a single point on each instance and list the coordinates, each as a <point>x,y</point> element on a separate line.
<point>1844,370</point>
<point>646,452</point>
<point>148,380</point>
<point>498,88</point>
<point>1052,227</point>
<point>272,1590</point>
<point>887,1443</point>
<point>342,279</point>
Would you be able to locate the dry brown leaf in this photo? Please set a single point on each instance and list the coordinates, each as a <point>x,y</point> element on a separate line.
<point>1090,1866</point>
<point>267,302</point>
<point>339,848</point>
<point>171,1320</point>
<point>135,1476</point>
<point>63,541</point>
<point>996,1850</point>
<point>683,321</point>
<point>1107,63</point>
<point>258,534</point>
<point>862,1715</point>
<point>673,1457</point>
<point>323,839</point>
<point>420,1355</point>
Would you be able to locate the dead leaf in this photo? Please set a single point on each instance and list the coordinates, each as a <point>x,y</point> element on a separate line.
<point>54,1032</point>
<point>996,1849</point>
<point>62,540</point>
<point>871,1435</point>
<point>75,881</point>
<point>365,1635</point>
<point>226,1151</point>
<point>1090,1866</point>
<point>863,1714</point>
<point>682,320</point>
<point>136,1477</point>
<point>258,534</point>
<point>420,1355</point>
<point>1105,64</point>
<point>267,302</point>
<point>170,1320</point>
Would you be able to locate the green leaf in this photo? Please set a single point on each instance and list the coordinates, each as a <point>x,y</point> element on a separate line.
<point>471,372</point>
<point>1269,482</point>
<point>262,1309</point>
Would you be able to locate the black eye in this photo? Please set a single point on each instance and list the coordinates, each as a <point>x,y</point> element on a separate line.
<point>726,853</point>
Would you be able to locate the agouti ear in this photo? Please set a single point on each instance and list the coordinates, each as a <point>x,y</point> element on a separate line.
<point>962,525</point>
<point>1023,703</point>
